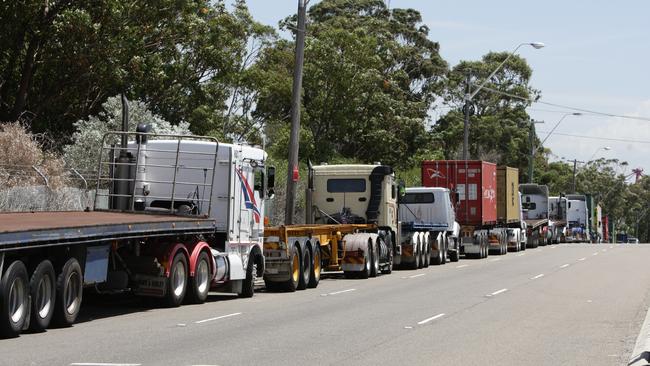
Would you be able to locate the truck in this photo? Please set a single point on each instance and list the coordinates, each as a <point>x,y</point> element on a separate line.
<point>351,226</point>
<point>536,213</point>
<point>557,216</point>
<point>509,209</point>
<point>475,183</point>
<point>172,219</point>
<point>577,219</point>
<point>429,231</point>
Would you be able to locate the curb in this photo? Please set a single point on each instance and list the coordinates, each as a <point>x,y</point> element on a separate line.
<point>641,354</point>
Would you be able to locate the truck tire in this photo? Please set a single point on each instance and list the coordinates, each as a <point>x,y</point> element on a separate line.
<point>417,254</point>
<point>305,270</point>
<point>374,260</point>
<point>14,299</point>
<point>437,260</point>
<point>426,255</point>
<point>388,269</point>
<point>248,287</point>
<point>365,272</point>
<point>444,250</point>
<point>200,282</point>
<point>69,292</point>
<point>316,269</point>
<point>42,288</point>
<point>177,282</point>
<point>454,256</point>
<point>294,275</point>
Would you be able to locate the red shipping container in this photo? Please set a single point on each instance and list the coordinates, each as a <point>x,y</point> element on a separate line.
<point>476,184</point>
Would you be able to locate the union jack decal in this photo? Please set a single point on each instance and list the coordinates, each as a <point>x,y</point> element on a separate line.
<point>249,196</point>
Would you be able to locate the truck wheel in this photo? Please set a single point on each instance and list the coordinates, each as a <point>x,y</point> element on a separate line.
<point>248,287</point>
<point>305,270</point>
<point>69,291</point>
<point>374,261</point>
<point>42,287</point>
<point>444,250</point>
<point>365,272</point>
<point>455,254</point>
<point>294,276</point>
<point>14,300</point>
<point>316,269</point>
<point>426,255</point>
<point>200,282</point>
<point>388,269</point>
<point>177,282</point>
<point>417,254</point>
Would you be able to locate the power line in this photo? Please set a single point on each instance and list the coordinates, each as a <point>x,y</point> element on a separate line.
<point>565,106</point>
<point>599,138</point>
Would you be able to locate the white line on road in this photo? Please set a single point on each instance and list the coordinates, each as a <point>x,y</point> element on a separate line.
<point>582,259</point>
<point>432,318</point>
<point>417,275</point>
<point>564,265</point>
<point>604,250</point>
<point>595,253</point>
<point>521,254</point>
<point>463,266</point>
<point>342,291</point>
<point>538,276</point>
<point>552,246</point>
<point>216,318</point>
<point>611,247</point>
<point>495,259</point>
<point>497,292</point>
<point>103,364</point>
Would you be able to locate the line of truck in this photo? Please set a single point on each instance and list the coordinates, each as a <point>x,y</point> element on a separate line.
<point>176,217</point>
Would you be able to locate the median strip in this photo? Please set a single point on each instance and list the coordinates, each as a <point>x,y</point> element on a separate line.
<point>216,318</point>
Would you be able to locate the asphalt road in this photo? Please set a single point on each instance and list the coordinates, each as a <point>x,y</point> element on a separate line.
<point>557,305</point>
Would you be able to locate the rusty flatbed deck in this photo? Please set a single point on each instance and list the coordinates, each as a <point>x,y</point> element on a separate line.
<point>534,223</point>
<point>23,230</point>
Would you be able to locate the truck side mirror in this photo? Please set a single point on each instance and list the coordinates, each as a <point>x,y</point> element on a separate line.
<point>270,181</point>
<point>401,190</point>
<point>456,197</point>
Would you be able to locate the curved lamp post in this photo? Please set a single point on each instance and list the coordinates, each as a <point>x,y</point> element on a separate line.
<point>606,148</point>
<point>470,95</point>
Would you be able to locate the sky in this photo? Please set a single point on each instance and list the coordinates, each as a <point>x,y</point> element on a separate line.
<point>596,58</point>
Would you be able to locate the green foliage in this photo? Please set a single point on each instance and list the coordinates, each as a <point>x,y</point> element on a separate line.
<point>187,59</point>
<point>370,77</point>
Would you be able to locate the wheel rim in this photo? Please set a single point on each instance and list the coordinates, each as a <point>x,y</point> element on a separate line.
<point>367,259</point>
<point>179,278</point>
<point>202,275</point>
<point>17,300</point>
<point>295,268</point>
<point>72,292</point>
<point>44,296</point>
<point>306,264</point>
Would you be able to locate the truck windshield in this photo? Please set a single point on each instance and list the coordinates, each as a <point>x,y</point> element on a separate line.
<point>417,198</point>
<point>346,185</point>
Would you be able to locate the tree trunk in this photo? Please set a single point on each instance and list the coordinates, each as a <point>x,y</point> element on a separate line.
<point>26,79</point>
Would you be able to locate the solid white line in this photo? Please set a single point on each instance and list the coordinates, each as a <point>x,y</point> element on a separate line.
<point>583,258</point>
<point>538,276</point>
<point>103,364</point>
<point>432,318</point>
<point>564,265</point>
<point>495,259</point>
<point>340,292</point>
<point>498,292</point>
<point>463,266</point>
<point>216,318</point>
<point>417,275</point>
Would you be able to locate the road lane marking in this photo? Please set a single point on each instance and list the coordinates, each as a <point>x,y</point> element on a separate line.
<point>611,247</point>
<point>463,266</point>
<point>564,265</point>
<point>495,260</point>
<point>552,246</point>
<point>497,292</point>
<point>538,276</point>
<point>432,318</point>
<point>595,253</point>
<point>103,364</point>
<point>417,275</point>
<point>581,259</point>
<point>604,250</point>
<point>521,254</point>
<point>342,291</point>
<point>216,318</point>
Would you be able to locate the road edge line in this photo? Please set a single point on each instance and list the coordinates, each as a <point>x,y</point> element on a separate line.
<point>641,354</point>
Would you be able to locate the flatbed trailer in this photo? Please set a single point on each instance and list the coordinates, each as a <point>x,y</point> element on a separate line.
<point>29,230</point>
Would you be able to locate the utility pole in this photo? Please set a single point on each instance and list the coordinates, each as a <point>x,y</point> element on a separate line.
<point>466,110</point>
<point>531,158</point>
<point>575,167</point>
<point>296,94</point>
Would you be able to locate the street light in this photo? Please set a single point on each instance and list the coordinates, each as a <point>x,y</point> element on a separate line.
<point>558,123</point>
<point>470,95</point>
<point>606,148</point>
